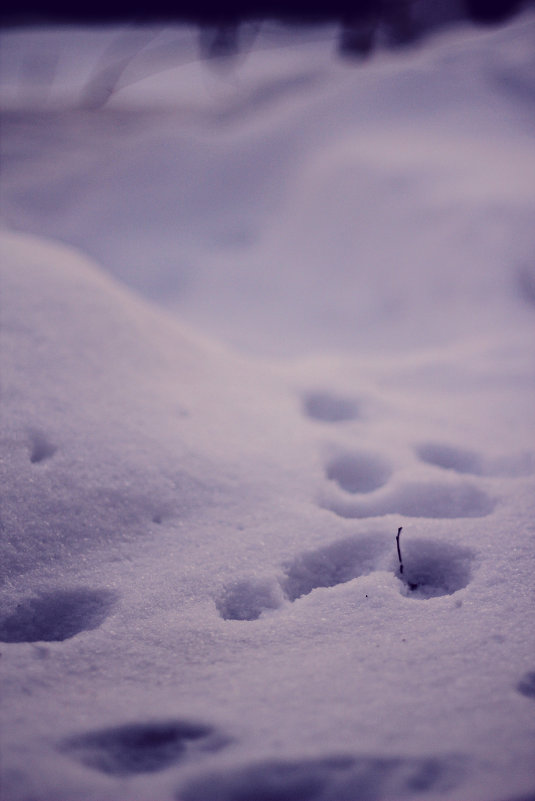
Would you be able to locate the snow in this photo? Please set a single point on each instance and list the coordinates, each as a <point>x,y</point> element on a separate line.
<point>254,320</point>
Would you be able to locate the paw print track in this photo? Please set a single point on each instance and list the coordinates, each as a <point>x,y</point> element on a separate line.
<point>526,284</point>
<point>450,458</point>
<point>337,563</point>
<point>526,685</point>
<point>57,616</point>
<point>358,472</point>
<point>334,564</point>
<point>464,461</point>
<point>141,747</point>
<point>422,499</point>
<point>367,778</point>
<point>432,569</point>
<point>328,408</point>
<point>246,599</point>
<point>41,448</point>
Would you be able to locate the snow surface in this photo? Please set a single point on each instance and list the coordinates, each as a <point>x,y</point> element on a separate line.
<point>201,594</point>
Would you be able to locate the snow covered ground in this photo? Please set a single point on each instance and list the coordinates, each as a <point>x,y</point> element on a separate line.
<point>255,318</point>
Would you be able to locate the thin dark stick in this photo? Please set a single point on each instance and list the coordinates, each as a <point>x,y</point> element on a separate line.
<point>400,529</point>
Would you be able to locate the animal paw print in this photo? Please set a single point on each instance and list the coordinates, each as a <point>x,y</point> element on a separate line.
<point>247,598</point>
<point>336,563</point>
<point>526,685</point>
<point>357,471</point>
<point>58,615</point>
<point>460,460</point>
<point>357,487</point>
<point>362,473</point>
<point>331,778</point>
<point>430,569</point>
<point>418,499</point>
<point>326,407</point>
<point>40,446</point>
<point>352,473</point>
<point>141,747</point>
<point>333,564</point>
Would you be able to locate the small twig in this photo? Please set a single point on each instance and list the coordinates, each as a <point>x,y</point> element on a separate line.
<point>400,529</point>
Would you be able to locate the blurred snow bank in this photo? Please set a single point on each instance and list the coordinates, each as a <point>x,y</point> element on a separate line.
<point>291,202</point>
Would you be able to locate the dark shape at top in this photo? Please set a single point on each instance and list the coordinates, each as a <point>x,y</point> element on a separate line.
<point>209,12</point>
<point>491,11</point>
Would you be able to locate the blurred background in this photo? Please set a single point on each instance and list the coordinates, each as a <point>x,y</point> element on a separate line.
<point>287,177</point>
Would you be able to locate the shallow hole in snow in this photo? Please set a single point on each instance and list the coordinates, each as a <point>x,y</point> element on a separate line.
<point>419,499</point>
<point>366,778</point>
<point>432,569</point>
<point>526,685</point>
<point>441,500</point>
<point>57,615</point>
<point>246,599</point>
<point>40,447</point>
<point>333,564</point>
<point>358,472</point>
<point>526,284</point>
<point>449,457</point>
<point>328,408</point>
<point>140,747</point>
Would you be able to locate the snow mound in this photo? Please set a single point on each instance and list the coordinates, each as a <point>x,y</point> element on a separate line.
<point>115,419</point>
<point>202,597</point>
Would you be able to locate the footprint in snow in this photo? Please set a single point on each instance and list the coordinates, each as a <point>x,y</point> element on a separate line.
<point>329,408</point>
<point>461,460</point>
<point>336,563</point>
<point>141,747</point>
<point>58,615</point>
<point>432,569</point>
<point>526,685</point>
<point>333,564</point>
<point>246,599</point>
<point>41,448</point>
<point>526,284</point>
<point>358,471</point>
<point>366,778</point>
<point>418,499</point>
